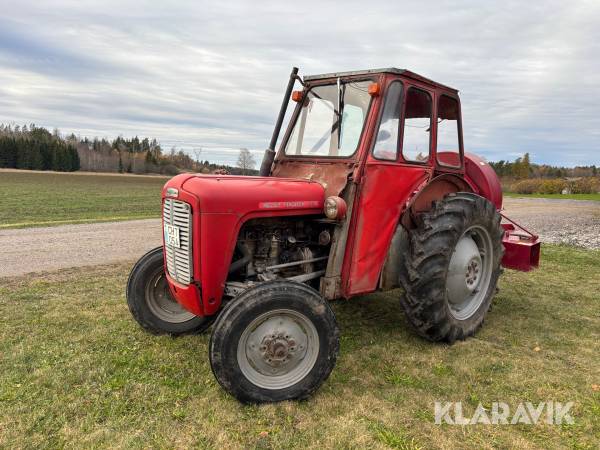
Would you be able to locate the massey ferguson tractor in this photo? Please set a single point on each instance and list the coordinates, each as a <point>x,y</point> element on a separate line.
<point>370,190</point>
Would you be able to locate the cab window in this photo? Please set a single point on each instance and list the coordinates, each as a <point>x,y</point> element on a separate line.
<point>386,146</point>
<point>417,126</point>
<point>448,127</point>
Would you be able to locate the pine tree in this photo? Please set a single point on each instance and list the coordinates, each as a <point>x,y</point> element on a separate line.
<point>75,162</point>
<point>526,166</point>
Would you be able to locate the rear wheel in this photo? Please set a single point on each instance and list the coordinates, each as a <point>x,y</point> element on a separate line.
<point>277,341</point>
<point>151,303</point>
<point>452,267</point>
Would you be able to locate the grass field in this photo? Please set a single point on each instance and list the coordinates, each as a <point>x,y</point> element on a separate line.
<point>77,371</point>
<point>40,199</point>
<point>595,196</point>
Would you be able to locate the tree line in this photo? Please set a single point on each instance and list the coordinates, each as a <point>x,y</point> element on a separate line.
<point>522,168</point>
<point>36,148</point>
<point>524,177</point>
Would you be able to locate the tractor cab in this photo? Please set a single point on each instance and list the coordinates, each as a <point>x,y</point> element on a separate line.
<point>345,121</point>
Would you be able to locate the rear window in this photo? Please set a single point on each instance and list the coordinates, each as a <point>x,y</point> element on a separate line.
<point>448,141</point>
<point>416,137</point>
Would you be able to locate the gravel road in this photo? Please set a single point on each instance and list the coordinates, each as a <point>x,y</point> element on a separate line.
<point>44,249</point>
<point>28,250</point>
<point>574,222</point>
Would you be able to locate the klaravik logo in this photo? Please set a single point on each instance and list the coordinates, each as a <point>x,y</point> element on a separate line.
<point>550,412</point>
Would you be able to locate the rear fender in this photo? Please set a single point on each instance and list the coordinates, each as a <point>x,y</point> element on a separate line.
<point>434,190</point>
<point>427,194</point>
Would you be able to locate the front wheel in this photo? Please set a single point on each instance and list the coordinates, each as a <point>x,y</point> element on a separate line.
<point>151,303</point>
<point>277,341</point>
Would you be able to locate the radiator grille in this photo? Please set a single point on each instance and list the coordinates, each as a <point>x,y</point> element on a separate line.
<point>179,260</point>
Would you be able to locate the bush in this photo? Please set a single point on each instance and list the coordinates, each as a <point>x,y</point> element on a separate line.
<point>555,186</point>
<point>586,185</point>
<point>583,186</point>
<point>169,169</point>
<point>527,186</point>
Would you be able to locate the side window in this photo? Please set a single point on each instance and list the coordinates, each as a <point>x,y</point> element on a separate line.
<point>386,146</point>
<point>417,126</point>
<point>448,144</point>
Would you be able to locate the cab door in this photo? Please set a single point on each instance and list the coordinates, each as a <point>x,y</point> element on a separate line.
<point>399,162</point>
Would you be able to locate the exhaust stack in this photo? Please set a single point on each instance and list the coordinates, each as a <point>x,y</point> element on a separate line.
<point>267,162</point>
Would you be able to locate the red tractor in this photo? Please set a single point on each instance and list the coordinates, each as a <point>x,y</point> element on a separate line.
<point>370,190</point>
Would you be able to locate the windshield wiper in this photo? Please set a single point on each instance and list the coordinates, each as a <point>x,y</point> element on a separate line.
<point>340,113</point>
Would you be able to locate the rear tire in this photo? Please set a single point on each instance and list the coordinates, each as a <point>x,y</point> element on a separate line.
<point>151,303</point>
<point>277,341</point>
<point>452,267</point>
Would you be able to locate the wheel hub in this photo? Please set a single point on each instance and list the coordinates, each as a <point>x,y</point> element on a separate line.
<point>469,273</point>
<point>472,273</point>
<point>277,349</point>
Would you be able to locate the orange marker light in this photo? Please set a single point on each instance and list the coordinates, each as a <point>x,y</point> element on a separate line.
<point>297,96</point>
<point>374,89</point>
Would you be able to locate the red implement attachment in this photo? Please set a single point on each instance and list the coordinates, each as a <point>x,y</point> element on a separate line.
<point>521,247</point>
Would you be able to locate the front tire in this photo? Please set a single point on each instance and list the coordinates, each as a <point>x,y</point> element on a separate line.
<point>452,267</point>
<point>277,341</point>
<point>151,303</point>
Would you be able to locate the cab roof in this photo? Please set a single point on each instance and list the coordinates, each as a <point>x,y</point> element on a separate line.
<point>394,70</point>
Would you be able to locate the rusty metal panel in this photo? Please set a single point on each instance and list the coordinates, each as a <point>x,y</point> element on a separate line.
<point>332,176</point>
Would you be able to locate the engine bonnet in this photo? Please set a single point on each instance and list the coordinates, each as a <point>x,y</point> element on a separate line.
<point>240,195</point>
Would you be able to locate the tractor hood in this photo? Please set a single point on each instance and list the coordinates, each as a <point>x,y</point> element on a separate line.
<point>240,195</point>
<point>221,205</point>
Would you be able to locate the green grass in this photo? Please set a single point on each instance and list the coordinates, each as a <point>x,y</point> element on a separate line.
<point>77,371</point>
<point>595,196</point>
<point>41,199</point>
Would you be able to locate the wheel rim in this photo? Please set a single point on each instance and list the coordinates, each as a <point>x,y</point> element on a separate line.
<point>278,349</point>
<point>469,272</point>
<point>161,302</point>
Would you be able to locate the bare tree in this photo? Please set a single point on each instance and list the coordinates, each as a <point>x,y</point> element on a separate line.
<point>198,154</point>
<point>245,160</point>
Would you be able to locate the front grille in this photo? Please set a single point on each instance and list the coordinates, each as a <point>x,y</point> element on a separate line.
<point>179,260</point>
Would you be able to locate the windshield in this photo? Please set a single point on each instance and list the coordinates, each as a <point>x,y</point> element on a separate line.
<point>318,130</point>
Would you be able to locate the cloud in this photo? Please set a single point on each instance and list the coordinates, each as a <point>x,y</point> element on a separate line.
<point>211,74</point>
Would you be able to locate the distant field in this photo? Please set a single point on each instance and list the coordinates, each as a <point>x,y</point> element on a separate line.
<point>41,199</point>
<point>563,196</point>
<point>78,372</point>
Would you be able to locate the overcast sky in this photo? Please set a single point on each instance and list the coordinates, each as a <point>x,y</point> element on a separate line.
<point>211,74</point>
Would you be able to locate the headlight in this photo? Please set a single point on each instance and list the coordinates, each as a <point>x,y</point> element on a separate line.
<point>172,192</point>
<point>335,208</point>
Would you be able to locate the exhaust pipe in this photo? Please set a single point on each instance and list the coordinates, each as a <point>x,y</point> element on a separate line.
<point>267,162</point>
